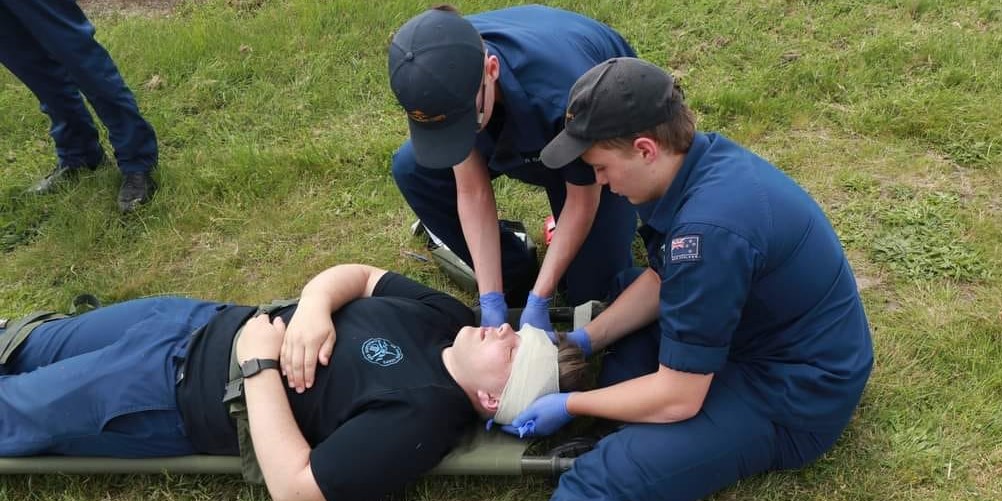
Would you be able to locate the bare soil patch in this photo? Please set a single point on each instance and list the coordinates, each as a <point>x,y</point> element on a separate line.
<point>98,8</point>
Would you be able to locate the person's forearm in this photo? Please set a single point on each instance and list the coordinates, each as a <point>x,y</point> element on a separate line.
<point>281,450</point>
<point>335,287</point>
<point>479,219</point>
<point>575,222</point>
<point>635,307</point>
<point>665,396</point>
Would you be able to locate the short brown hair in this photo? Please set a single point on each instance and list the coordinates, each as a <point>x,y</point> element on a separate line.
<point>674,135</point>
<point>445,7</point>
<point>572,365</point>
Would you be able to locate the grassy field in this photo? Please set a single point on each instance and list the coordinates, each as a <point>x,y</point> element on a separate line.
<point>276,128</point>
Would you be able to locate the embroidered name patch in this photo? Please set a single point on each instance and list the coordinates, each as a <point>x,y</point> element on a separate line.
<point>686,248</point>
<point>381,352</point>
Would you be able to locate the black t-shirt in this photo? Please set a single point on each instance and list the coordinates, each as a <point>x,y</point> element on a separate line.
<point>382,413</point>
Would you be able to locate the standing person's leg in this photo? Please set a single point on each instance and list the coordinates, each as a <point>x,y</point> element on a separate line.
<point>61,27</point>
<point>72,128</point>
<point>605,252</point>
<point>101,384</point>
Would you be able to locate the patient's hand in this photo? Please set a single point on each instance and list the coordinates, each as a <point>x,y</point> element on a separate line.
<point>309,339</point>
<point>260,338</point>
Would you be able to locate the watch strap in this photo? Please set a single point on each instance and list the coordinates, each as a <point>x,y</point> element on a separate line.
<point>254,366</point>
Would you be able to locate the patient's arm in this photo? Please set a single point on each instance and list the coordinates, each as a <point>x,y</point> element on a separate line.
<point>311,335</point>
<point>281,450</point>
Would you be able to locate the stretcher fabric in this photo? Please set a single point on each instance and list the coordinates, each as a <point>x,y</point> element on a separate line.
<point>481,453</point>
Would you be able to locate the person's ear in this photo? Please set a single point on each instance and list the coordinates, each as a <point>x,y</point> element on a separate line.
<point>492,67</point>
<point>488,401</point>
<point>646,147</point>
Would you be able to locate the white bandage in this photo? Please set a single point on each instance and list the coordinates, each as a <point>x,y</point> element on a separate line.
<point>534,373</point>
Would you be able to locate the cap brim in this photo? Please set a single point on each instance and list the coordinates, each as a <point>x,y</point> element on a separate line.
<point>442,146</point>
<point>563,150</point>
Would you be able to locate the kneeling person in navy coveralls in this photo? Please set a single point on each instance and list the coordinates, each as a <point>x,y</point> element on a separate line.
<point>483,95</point>
<point>744,347</point>
<point>398,383</point>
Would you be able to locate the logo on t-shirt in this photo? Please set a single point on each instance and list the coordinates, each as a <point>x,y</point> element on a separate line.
<point>381,352</point>
<point>686,248</point>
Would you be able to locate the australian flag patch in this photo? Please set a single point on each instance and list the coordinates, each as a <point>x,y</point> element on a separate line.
<point>686,248</point>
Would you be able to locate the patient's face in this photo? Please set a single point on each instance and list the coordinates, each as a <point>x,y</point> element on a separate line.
<point>487,354</point>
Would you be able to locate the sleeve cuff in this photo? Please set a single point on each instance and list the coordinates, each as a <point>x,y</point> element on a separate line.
<point>690,357</point>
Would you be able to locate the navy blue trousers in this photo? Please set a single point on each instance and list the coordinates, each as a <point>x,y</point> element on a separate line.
<point>49,45</point>
<point>102,383</point>
<point>727,441</point>
<point>431,194</point>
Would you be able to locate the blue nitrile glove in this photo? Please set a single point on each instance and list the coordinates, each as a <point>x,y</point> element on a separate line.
<point>493,309</point>
<point>536,313</point>
<point>543,417</point>
<point>580,337</point>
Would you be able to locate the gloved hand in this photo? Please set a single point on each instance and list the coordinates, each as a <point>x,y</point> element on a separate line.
<point>543,417</point>
<point>536,313</point>
<point>493,309</point>
<point>580,337</point>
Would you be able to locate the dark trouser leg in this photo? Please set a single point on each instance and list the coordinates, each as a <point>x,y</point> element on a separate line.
<point>727,441</point>
<point>635,354</point>
<point>101,384</point>
<point>606,250</point>
<point>431,194</point>
<point>68,37</point>
<point>685,461</point>
<point>3,367</point>
<point>95,330</point>
<point>72,128</point>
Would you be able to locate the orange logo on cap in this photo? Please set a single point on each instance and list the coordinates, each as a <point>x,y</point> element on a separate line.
<point>420,116</point>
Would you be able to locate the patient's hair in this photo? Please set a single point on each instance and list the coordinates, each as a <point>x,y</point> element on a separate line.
<point>572,365</point>
<point>445,7</point>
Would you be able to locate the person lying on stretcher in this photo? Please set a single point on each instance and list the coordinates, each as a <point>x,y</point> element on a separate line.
<point>400,383</point>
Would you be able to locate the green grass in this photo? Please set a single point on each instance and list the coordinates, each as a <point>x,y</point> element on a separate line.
<point>277,126</point>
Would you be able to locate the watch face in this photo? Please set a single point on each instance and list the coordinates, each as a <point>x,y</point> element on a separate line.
<point>248,368</point>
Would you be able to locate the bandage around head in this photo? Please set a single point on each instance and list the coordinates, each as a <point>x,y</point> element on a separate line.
<point>534,373</point>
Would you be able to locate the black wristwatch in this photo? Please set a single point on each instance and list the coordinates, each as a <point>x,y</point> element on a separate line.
<point>252,367</point>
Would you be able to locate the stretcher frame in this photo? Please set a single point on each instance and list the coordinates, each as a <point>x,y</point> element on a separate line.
<point>482,452</point>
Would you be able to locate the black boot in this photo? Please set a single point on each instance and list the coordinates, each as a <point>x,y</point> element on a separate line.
<point>62,175</point>
<point>137,189</point>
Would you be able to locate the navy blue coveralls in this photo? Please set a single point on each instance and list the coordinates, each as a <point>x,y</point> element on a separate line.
<point>109,380</point>
<point>49,45</point>
<point>755,289</point>
<point>542,51</point>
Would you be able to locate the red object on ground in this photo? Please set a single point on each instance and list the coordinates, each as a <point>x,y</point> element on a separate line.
<point>549,226</point>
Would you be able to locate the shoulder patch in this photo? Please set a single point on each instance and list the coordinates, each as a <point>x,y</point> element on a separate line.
<point>686,248</point>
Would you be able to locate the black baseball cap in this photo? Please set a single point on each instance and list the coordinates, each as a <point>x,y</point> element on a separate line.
<point>616,98</point>
<point>436,65</point>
